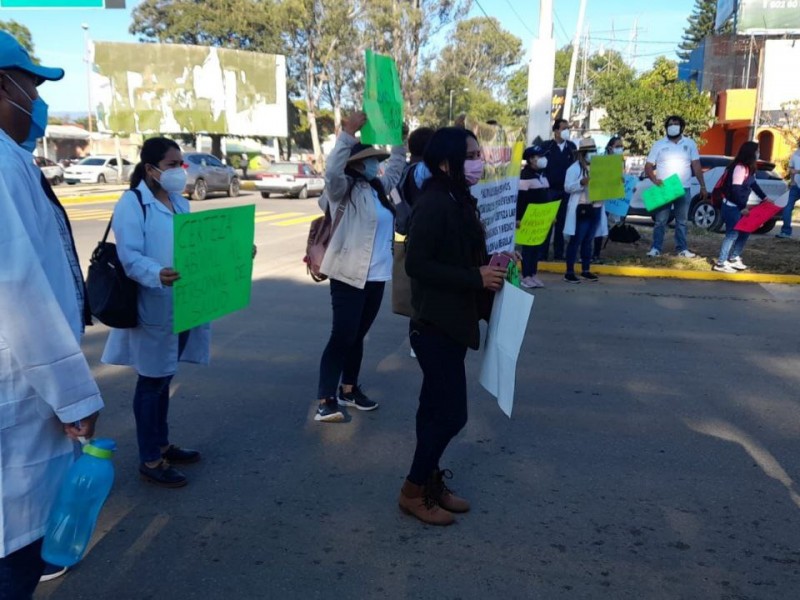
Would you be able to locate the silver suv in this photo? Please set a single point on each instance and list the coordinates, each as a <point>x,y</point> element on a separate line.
<point>206,174</point>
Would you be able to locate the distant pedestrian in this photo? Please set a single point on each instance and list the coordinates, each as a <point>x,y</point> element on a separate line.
<point>244,165</point>
<point>674,155</point>
<point>143,232</point>
<point>794,195</point>
<point>446,261</point>
<point>560,156</point>
<point>741,175</point>
<point>358,261</point>
<point>533,189</point>
<point>583,216</point>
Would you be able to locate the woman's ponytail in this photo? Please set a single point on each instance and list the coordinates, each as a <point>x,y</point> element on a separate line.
<point>153,152</point>
<point>137,176</point>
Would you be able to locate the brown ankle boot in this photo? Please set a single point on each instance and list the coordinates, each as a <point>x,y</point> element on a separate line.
<point>443,495</point>
<point>415,500</point>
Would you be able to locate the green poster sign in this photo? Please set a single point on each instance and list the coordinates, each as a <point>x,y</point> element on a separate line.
<point>768,16</point>
<point>605,178</point>
<point>214,256</point>
<point>383,101</point>
<point>536,223</point>
<point>660,195</point>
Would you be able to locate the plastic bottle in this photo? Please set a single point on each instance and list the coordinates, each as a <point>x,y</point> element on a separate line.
<point>74,514</point>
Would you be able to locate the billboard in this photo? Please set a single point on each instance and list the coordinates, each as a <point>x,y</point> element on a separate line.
<point>781,58</point>
<point>725,9</point>
<point>768,16</point>
<point>174,88</point>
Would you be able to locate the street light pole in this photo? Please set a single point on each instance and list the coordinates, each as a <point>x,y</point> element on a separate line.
<point>87,58</point>
<point>450,120</point>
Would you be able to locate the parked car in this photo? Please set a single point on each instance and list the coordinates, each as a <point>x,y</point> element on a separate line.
<point>207,174</point>
<point>702,212</point>
<point>98,169</point>
<point>293,179</point>
<point>53,172</point>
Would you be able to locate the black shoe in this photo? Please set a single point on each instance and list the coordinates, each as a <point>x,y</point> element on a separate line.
<point>356,398</point>
<point>329,412</point>
<point>180,456</point>
<point>589,276</point>
<point>571,278</point>
<point>164,475</point>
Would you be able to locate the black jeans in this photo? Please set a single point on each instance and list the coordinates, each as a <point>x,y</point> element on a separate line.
<point>354,311</point>
<point>557,230</point>
<point>442,411</point>
<point>20,572</point>
<point>530,260</point>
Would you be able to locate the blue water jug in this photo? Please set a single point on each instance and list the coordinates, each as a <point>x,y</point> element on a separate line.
<point>74,515</point>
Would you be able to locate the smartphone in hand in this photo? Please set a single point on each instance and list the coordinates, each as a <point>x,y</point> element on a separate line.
<point>500,260</point>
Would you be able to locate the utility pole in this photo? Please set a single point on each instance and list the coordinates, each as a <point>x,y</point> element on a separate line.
<point>540,78</point>
<point>573,65</point>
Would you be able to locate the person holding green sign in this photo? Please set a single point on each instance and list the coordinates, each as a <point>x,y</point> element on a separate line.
<point>144,235</point>
<point>674,155</point>
<point>533,189</point>
<point>358,261</point>
<point>583,216</point>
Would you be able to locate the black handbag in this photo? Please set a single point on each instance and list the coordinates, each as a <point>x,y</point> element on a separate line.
<point>112,294</point>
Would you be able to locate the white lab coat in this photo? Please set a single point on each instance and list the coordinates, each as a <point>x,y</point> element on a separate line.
<point>145,246</point>
<point>44,378</point>
<point>579,195</point>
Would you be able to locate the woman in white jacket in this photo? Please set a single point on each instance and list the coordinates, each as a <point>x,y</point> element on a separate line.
<point>358,261</point>
<point>143,231</point>
<point>583,217</point>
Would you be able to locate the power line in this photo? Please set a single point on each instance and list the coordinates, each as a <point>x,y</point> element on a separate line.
<point>561,25</point>
<point>521,20</point>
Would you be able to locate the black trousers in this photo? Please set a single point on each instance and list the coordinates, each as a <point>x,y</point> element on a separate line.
<point>557,230</point>
<point>442,411</point>
<point>354,311</point>
<point>20,572</point>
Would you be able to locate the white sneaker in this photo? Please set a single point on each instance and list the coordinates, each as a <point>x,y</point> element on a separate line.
<point>527,282</point>
<point>737,264</point>
<point>687,254</point>
<point>653,253</point>
<point>724,267</point>
<point>537,283</point>
<point>412,354</point>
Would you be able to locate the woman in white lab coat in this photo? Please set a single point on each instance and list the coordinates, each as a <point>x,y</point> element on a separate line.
<point>143,233</point>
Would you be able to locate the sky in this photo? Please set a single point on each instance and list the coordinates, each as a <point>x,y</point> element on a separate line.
<point>59,38</point>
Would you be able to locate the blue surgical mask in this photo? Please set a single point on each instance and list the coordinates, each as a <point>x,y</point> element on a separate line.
<point>38,115</point>
<point>371,166</point>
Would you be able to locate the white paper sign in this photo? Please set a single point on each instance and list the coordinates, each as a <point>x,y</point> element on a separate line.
<point>507,325</point>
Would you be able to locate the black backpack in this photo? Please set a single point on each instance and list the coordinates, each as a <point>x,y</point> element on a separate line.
<point>403,197</point>
<point>623,233</point>
<point>112,294</point>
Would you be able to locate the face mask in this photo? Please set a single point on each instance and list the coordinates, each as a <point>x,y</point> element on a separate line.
<point>38,115</point>
<point>172,180</point>
<point>674,130</point>
<point>541,163</point>
<point>619,150</point>
<point>473,170</point>
<point>590,156</point>
<point>565,134</point>
<point>371,166</point>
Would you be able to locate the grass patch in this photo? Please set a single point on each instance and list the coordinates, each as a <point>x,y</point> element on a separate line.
<point>763,253</point>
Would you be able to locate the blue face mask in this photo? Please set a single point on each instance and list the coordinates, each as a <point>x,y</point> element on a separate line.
<point>38,115</point>
<point>371,166</point>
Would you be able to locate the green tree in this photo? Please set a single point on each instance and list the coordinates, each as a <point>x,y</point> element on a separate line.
<point>636,109</point>
<point>23,35</point>
<point>700,25</point>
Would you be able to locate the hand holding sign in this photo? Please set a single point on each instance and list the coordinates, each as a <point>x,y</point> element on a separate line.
<point>354,123</point>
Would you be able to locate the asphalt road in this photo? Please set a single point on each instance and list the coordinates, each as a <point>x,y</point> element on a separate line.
<point>651,454</point>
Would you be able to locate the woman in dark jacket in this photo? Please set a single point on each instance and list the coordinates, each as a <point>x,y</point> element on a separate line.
<point>446,261</point>
<point>741,174</point>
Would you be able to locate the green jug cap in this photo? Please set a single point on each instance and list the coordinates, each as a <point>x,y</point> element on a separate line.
<point>102,448</point>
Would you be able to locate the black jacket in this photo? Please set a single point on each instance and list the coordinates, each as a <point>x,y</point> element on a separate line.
<point>740,194</point>
<point>558,161</point>
<point>526,196</point>
<point>446,248</point>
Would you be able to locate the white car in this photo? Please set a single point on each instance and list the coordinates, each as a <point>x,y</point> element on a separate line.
<point>702,212</point>
<point>98,169</point>
<point>53,172</point>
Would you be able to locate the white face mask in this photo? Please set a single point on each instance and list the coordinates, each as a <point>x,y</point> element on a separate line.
<point>541,163</point>
<point>674,130</point>
<point>590,156</point>
<point>172,180</point>
<point>565,134</point>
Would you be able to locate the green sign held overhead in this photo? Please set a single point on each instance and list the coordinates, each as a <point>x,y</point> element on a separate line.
<point>214,256</point>
<point>62,3</point>
<point>383,101</point>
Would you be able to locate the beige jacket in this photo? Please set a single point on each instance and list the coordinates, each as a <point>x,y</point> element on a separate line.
<point>349,252</point>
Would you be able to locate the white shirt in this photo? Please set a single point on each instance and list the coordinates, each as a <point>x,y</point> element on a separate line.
<point>380,264</point>
<point>794,163</point>
<point>674,158</point>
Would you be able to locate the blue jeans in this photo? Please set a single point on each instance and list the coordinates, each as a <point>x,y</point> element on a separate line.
<point>681,206</point>
<point>530,260</point>
<point>20,572</point>
<point>585,228</point>
<point>733,239</point>
<point>794,195</point>
<point>354,311</point>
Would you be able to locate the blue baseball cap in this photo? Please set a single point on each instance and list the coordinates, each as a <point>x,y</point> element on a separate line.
<point>14,56</point>
<point>532,151</point>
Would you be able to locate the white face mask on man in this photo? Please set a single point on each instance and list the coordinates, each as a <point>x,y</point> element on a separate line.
<point>673,130</point>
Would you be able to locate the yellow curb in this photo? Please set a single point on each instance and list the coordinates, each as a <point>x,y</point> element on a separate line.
<point>96,199</point>
<point>745,277</point>
<point>250,186</point>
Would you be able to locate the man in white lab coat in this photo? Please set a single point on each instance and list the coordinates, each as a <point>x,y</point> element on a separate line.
<point>48,397</point>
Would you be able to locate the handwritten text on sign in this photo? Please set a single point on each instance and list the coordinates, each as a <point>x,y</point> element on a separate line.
<point>536,223</point>
<point>214,256</point>
<point>383,101</point>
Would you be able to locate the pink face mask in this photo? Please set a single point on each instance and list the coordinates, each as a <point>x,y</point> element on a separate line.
<point>473,170</point>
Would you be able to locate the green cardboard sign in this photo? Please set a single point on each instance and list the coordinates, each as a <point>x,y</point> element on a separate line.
<point>605,178</point>
<point>383,101</point>
<point>659,195</point>
<point>214,256</point>
<point>536,223</point>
